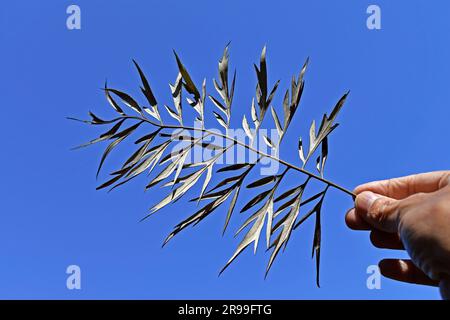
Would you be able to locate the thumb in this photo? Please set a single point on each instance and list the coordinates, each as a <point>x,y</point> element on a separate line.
<point>379,211</point>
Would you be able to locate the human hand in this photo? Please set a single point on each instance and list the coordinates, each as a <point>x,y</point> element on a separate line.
<point>413,214</point>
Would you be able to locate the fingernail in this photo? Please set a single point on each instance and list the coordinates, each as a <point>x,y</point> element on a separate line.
<point>403,265</point>
<point>365,199</point>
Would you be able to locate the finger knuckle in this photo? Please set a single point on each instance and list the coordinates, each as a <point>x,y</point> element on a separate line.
<point>377,210</point>
<point>445,180</point>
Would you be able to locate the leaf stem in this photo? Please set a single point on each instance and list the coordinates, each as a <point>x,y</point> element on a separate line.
<point>235,141</point>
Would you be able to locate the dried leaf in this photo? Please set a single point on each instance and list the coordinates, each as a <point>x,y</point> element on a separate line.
<point>246,128</point>
<point>287,223</point>
<point>119,137</point>
<point>166,172</point>
<point>277,122</point>
<point>146,157</point>
<point>272,93</point>
<point>269,221</point>
<point>312,136</point>
<point>143,165</point>
<point>189,84</point>
<point>146,90</point>
<point>173,114</point>
<point>327,126</point>
<point>175,164</point>
<point>178,192</point>
<point>233,167</point>
<point>314,197</point>
<point>220,106</point>
<point>286,109</point>
<point>233,82</point>
<point>175,89</point>
<point>180,164</point>
<point>316,245</point>
<point>300,151</point>
<point>112,102</point>
<point>148,137</point>
<point>318,164</point>
<point>179,180</point>
<point>231,208</point>
<point>288,193</point>
<point>197,217</point>
<point>225,182</point>
<point>324,155</point>
<point>223,88</point>
<point>316,208</point>
<point>207,180</point>
<point>262,181</point>
<point>261,74</point>
<point>104,136</point>
<point>95,120</point>
<point>253,234</point>
<point>254,114</point>
<point>213,195</point>
<point>137,155</point>
<point>154,112</point>
<point>338,107</point>
<point>302,72</point>
<point>260,197</point>
<point>109,182</point>
<point>219,119</point>
<point>129,101</point>
<point>268,141</point>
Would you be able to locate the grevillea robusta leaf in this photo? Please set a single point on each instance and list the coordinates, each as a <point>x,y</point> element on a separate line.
<point>181,173</point>
<point>146,90</point>
<point>262,182</point>
<point>128,100</point>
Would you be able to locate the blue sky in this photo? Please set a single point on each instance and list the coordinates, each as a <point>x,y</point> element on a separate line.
<point>395,123</point>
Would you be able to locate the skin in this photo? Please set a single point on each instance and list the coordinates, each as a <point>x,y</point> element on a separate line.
<point>410,213</point>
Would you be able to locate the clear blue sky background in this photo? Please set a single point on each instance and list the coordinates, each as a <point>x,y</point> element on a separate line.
<point>394,123</point>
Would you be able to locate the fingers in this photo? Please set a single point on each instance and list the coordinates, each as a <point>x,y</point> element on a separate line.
<point>378,238</point>
<point>355,222</point>
<point>377,211</point>
<point>405,271</point>
<point>403,187</point>
<point>444,286</point>
<point>386,240</point>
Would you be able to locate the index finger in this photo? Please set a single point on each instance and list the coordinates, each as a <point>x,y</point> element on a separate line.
<point>400,188</point>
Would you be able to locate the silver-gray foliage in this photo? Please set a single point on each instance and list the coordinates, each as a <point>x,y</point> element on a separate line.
<point>280,213</point>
